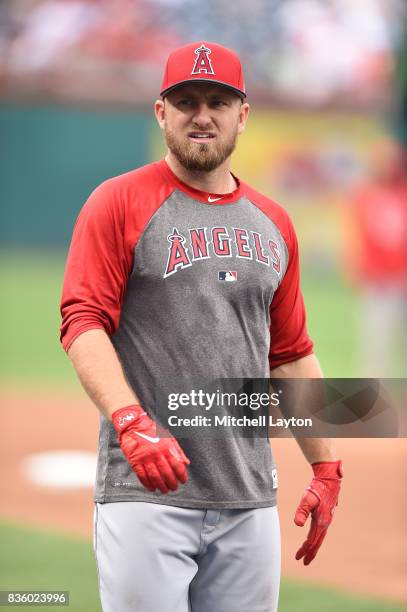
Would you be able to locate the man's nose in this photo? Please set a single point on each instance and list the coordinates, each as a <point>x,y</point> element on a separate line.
<point>202,116</point>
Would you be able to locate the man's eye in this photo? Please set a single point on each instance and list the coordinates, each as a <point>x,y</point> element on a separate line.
<point>185,102</point>
<point>218,103</point>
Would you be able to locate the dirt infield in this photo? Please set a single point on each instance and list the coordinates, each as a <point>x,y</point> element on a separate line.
<point>365,550</point>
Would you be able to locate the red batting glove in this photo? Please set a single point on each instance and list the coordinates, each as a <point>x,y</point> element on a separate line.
<point>319,499</point>
<point>155,456</point>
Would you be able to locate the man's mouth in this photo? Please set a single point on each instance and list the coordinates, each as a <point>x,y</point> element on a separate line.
<point>201,136</point>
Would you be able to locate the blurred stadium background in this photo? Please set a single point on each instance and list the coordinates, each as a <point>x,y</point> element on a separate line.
<point>327,81</point>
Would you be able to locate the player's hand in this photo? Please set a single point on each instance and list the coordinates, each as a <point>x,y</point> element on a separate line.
<point>319,500</point>
<point>156,457</point>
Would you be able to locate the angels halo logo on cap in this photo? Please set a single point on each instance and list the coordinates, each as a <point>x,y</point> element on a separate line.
<point>203,62</point>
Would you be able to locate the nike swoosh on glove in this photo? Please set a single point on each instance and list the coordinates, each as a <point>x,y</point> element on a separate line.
<point>155,456</point>
<point>319,500</point>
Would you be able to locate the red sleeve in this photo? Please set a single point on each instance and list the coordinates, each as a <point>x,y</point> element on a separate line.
<point>100,257</point>
<point>97,268</point>
<point>288,331</point>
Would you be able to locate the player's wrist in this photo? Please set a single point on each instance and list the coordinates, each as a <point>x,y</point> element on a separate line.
<point>129,416</point>
<point>327,469</point>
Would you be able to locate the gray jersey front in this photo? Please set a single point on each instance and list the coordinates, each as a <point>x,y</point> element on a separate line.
<point>210,290</point>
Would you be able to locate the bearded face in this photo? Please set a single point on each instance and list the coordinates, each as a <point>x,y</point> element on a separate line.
<point>201,125</point>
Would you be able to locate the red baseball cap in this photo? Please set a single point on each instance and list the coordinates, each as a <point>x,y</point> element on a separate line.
<point>203,62</point>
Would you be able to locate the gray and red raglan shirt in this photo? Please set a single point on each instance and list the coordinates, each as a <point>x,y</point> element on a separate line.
<point>186,282</point>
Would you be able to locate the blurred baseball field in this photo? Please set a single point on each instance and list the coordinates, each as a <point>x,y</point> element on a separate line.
<point>43,187</point>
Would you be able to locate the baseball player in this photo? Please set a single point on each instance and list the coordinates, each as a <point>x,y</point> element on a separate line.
<point>180,268</point>
<point>375,252</point>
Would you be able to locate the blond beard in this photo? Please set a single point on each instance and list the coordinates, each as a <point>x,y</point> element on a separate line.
<point>199,157</point>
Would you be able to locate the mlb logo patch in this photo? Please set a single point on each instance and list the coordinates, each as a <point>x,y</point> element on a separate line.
<point>228,276</point>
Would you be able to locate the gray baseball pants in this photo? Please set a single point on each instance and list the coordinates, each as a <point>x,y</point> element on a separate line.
<point>157,558</point>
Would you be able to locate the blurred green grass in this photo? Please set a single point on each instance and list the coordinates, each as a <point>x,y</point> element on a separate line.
<point>332,322</point>
<point>39,560</point>
<point>29,313</point>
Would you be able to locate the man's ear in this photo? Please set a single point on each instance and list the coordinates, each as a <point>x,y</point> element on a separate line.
<point>159,111</point>
<point>243,115</point>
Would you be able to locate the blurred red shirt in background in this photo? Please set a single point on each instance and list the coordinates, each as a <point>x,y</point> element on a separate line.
<point>377,221</point>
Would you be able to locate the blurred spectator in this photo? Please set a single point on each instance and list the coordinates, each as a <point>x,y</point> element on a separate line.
<point>402,85</point>
<point>376,257</point>
<point>50,28</point>
<point>98,50</point>
<point>333,48</point>
<point>298,52</point>
<point>127,31</point>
